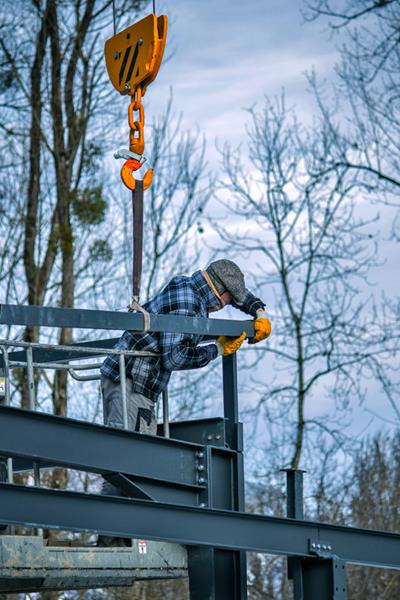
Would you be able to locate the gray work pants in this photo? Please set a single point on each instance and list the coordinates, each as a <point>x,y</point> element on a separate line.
<point>141,415</point>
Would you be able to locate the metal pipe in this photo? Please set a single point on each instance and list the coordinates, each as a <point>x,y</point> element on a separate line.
<point>36,474</point>
<point>7,401</point>
<point>10,470</point>
<point>36,481</point>
<point>58,366</point>
<point>32,407</point>
<point>78,349</point>
<point>122,376</point>
<point>83,377</point>
<point>7,395</point>
<point>31,380</point>
<point>165,413</point>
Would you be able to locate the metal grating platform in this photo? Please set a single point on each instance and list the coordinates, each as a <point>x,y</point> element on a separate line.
<point>26,565</point>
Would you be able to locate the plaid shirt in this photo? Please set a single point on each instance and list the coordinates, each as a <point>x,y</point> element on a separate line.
<point>186,296</point>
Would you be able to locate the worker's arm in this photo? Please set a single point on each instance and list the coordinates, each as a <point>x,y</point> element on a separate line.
<point>251,304</point>
<point>179,350</point>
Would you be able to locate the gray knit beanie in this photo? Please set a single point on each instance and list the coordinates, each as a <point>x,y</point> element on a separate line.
<point>226,276</point>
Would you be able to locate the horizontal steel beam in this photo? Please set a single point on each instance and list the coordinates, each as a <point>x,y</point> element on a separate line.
<point>231,530</point>
<point>46,316</point>
<point>84,446</point>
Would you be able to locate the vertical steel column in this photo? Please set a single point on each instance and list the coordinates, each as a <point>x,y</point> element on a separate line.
<point>294,510</point>
<point>234,438</point>
<point>324,578</point>
<point>321,577</point>
<point>221,574</point>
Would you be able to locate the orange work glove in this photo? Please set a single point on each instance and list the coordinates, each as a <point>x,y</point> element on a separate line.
<point>262,328</point>
<point>229,345</point>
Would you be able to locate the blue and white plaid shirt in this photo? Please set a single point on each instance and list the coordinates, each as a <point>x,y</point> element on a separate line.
<point>186,296</point>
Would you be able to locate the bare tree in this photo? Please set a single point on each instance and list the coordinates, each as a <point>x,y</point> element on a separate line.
<point>364,118</point>
<point>363,494</point>
<point>311,248</point>
<point>374,504</point>
<point>54,88</point>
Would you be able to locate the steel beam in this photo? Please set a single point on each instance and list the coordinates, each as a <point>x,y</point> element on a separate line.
<point>96,448</point>
<point>200,431</point>
<point>167,470</point>
<point>213,528</point>
<point>46,316</point>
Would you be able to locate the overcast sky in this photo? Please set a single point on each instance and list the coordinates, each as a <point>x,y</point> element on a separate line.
<point>225,56</point>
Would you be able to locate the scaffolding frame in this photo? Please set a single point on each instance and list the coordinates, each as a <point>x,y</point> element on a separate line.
<point>188,488</point>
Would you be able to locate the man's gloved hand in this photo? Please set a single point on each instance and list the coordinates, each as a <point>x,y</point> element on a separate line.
<point>229,345</point>
<point>262,328</point>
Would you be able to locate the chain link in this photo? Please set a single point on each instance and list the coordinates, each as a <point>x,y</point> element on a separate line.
<point>136,134</point>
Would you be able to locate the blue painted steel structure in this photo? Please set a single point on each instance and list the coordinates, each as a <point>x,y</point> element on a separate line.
<point>188,488</point>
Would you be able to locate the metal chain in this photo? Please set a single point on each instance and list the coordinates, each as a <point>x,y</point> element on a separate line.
<point>136,134</point>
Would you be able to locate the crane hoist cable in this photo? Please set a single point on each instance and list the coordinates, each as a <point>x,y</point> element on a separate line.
<point>133,58</point>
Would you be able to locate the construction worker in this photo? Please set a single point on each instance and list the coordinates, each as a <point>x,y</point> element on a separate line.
<point>220,284</point>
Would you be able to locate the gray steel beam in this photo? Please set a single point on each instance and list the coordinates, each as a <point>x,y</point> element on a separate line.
<point>46,316</point>
<point>165,469</point>
<point>96,448</point>
<point>214,528</point>
<point>200,431</point>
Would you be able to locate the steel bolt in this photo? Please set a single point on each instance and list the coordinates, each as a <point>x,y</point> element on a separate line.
<point>201,480</point>
<point>324,547</point>
<point>127,86</point>
<point>319,546</point>
<point>140,41</point>
<point>313,545</point>
<point>200,467</point>
<point>209,438</point>
<point>200,454</point>
<point>329,547</point>
<point>217,437</point>
<point>202,505</point>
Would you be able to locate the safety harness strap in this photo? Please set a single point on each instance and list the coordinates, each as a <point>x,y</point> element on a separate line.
<point>137,216</point>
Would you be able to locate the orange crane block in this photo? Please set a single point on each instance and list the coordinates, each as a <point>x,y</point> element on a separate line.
<point>133,56</point>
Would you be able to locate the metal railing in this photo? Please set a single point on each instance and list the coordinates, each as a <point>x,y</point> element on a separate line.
<point>30,365</point>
